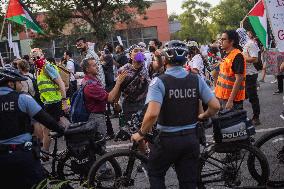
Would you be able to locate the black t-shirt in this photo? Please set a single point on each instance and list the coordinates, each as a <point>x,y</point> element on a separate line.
<point>238,65</point>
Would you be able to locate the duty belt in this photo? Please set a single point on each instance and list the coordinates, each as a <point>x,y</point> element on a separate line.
<point>179,133</point>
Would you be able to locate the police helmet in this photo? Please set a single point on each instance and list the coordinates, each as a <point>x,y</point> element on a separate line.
<point>176,52</point>
<point>10,74</point>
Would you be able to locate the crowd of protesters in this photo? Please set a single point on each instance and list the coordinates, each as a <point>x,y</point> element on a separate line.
<point>117,79</point>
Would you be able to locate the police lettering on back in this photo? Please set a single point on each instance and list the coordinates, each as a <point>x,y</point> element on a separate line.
<point>7,106</point>
<point>182,93</point>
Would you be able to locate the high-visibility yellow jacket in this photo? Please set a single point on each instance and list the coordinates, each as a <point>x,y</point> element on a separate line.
<point>48,89</point>
<point>226,78</point>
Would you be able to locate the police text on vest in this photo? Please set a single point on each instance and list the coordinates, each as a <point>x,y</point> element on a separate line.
<point>7,106</point>
<point>182,93</point>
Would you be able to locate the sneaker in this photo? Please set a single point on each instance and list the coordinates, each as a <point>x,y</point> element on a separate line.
<point>277,92</point>
<point>274,81</point>
<point>262,81</point>
<point>255,121</point>
<point>282,116</point>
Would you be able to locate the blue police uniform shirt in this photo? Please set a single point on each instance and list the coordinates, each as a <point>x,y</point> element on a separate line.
<point>156,92</point>
<point>27,105</point>
<point>51,71</point>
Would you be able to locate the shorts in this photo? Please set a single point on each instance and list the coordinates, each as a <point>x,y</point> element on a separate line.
<point>55,110</point>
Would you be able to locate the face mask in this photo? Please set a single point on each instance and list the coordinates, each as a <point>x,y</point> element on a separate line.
<point>152,49</point>
<point>139,57</point>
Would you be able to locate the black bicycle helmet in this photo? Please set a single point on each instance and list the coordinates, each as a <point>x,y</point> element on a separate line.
<point>176,52</point>
<point>10,74</point>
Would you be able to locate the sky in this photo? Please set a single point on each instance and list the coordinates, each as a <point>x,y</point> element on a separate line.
<point>175,5</point>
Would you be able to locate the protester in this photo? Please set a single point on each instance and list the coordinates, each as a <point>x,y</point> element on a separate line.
<point>250,52</point>
<point>96,96</point>
<point>70,66</point>
<point>230,87</point>
<point>135,86</point>
<point>120,57</point>
<point>24,68</point>
<point>87,52</point>
<point>52,91</point>
<point>195,59</point>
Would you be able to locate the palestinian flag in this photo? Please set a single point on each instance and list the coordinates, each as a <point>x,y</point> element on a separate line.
<point>18,13</point>
<point>258,20</point>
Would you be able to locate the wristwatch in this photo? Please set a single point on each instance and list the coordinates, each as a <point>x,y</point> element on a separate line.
<point>141,134</point>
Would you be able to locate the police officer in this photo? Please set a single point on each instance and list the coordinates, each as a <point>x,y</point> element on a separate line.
<point>19,167</point>
<point>174,100</point>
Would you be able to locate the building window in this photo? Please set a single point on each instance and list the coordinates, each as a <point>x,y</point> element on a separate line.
<point>134,36</point>
<point>6,51</point>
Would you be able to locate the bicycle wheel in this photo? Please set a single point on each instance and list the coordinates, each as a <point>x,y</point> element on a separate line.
<point>130,174</point>
<point>272,145</point>
<point>227,166</point>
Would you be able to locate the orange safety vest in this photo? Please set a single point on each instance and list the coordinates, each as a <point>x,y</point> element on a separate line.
<point>226,78</point>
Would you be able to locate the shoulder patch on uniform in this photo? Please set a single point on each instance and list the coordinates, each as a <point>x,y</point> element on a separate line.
<point>154,81</point>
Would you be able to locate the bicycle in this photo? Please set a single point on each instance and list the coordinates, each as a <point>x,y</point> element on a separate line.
<point>272,145</point>
<point>226,174</point>
<point>74,164</point>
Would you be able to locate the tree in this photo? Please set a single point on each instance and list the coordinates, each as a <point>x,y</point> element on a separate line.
<point>173,17</point>
<point>194,21</point>
<point>97,16</point>
<point>228,14</point>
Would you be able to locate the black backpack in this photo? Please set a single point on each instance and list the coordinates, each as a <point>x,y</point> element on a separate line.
<point>258,65</point>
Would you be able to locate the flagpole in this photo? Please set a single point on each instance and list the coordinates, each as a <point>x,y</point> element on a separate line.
<point>2,29</point>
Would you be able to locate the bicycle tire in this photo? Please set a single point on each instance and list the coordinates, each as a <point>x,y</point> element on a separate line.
<point>226,176</point>
<point>110,157</point>
<point>62,164</point>
<point>261,142</point>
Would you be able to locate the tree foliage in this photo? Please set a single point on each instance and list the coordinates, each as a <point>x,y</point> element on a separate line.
<point>202,22</point>
<point>194,20</point>
<point>97,16</point>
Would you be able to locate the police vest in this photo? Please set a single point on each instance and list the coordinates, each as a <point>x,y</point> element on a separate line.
<point>226,78</point>
<point>48,89</point>
<point>13,121</point>
<point>181,100</point>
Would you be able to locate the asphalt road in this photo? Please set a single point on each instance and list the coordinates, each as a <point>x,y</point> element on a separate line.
<point>271,107</point>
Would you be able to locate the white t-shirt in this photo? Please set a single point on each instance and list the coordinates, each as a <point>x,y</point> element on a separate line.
<point>70,65</point>
<point>197,63</point>
<point>252,49</point>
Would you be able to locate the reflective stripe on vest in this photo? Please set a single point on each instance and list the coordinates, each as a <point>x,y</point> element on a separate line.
<point>49,91</point>
<point>233,79</point>
<point>226,78</point>
<point>228,86</point>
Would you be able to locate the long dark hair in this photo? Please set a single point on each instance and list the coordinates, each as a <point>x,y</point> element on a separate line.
<point>234,36</point>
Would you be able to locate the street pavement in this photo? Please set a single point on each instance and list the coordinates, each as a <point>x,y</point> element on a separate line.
<point>271,107</point>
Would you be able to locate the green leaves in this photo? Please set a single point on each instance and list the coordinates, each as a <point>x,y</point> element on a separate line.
<point>73,16</point>
<point>202,22</point>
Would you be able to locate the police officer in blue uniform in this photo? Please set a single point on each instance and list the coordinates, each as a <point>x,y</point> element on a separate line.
<point>174,101</point>
<point>19,166</point>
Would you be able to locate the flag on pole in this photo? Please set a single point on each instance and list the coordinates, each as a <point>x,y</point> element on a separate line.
<point>18,13</point>
<point>258,20</point>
